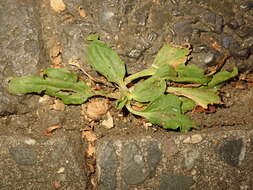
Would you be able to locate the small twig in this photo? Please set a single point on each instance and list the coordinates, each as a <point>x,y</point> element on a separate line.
<point>89,76</point>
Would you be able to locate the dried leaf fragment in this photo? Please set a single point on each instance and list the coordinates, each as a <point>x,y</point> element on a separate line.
<point>57,184</point>
<point>89,136</point>
<point>82,12</point>
<point>57,5</point>
<point>51,129</point>
<point>58,105</point>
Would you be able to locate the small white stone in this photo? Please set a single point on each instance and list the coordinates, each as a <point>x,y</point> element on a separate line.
<point>61,170</point>
<point>30,141</point>
<point>194,139</point>
<point>193,172</point>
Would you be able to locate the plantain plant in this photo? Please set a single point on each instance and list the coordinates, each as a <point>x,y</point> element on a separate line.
<point>162,94</point>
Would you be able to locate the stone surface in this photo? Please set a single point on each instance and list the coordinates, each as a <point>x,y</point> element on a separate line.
<point>21,50</point>
<point>218,161</point>
<point>176,182</point>
<point>30,164</point>
<point>107,168</point>
<point>231,151</point>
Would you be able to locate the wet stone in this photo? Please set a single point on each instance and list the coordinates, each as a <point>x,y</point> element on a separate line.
<point>175,182</point>
<point>230,152</point>
<point>108,163</point>
<point>23,155</point>
<point>134,170</point>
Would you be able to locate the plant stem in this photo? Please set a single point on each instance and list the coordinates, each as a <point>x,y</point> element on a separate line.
<point>115,95</point>
<point>143,73</point>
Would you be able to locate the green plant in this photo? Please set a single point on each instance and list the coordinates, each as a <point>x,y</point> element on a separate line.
<point>163,92</point>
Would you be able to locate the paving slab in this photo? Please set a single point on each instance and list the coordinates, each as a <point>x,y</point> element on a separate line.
<point>213,160</point>
<point>57,163</point>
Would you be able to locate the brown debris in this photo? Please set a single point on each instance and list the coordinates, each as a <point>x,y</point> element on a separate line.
<point>214,69</point>
<point>82,12</point>
<point>95,108</point>
<point>57,184</point>
<point>50,130</point>
<point>58,105</point>
<point>200,109</point>
<point>55,54</point>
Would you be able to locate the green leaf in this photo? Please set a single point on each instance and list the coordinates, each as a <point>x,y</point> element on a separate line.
<point>106,61</point>
<point>171,55</point>
<point>61,74</point>
<point>187,104</point>
<point>191,74</point>
<point>166,112</point>
<point>222,76</point>
<point>201,96</point>
<point>60,83</point>
<point>120,103</point>
<point>149,89</point>
<point>165,71</point>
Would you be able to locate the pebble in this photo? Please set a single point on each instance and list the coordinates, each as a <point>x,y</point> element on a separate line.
<point>135,53</point>
<point>209,58</point>
<point>243,53</point>
<point>233,24</point>
<point>152,36</point>
<point>30,141</point>
<point>193,172</point>
<point>245,31</point>
<point>194,139</point>
<point>226,41</point>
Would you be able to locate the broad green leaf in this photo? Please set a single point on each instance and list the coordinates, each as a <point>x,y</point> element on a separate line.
<point>201,96</point>
<point>187,104</point>
<point>165,71</point>
<point>171,55</point>
<point>61,74</point>
<point>191,74</point>
<point>60,83</point>
<point>222,76</point>
<point>149,89</point>
<point>106,61</point>
<point>166,112</point>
